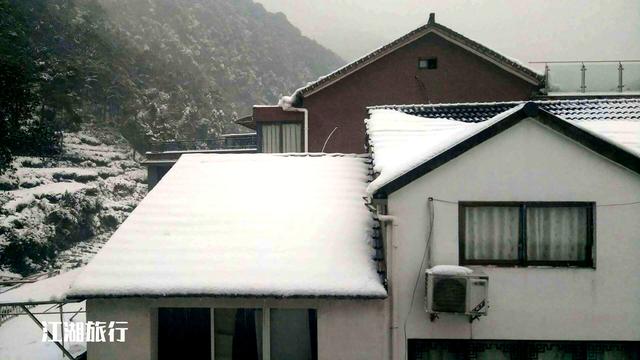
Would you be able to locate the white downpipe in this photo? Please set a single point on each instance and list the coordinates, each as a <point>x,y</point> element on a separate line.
<point>388,222</point>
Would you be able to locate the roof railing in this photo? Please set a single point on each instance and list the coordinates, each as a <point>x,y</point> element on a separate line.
<point>591,77</point>
<point>224,142</point>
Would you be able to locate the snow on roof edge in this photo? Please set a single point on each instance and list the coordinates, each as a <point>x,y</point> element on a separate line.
<point>53,289</point>
<point>337,268</point>
<point>384,179</point>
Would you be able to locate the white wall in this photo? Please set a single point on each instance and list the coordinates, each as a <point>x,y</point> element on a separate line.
<point>525,163</point>
<point>347,329</point>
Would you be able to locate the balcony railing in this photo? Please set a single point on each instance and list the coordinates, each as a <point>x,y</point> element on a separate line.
<point>607,77</point>
<point>228,142</point>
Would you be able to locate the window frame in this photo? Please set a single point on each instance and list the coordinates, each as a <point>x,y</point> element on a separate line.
<point>259,134</point>
<point>266,326</point>
<point>428,61</point>
<point>522,260</point>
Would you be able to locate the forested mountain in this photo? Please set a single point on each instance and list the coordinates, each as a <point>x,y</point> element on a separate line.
<point>81,81</point>
<point>208,59</point>
<point>155,69</point>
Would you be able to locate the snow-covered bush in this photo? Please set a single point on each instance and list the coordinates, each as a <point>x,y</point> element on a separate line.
<point>8,182</point>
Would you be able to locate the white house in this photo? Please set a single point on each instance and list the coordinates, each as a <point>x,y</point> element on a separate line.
<point>547,208</point>
<point>244,257</point>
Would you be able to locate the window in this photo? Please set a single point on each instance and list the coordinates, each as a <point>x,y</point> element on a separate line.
<point>293,334</point>
<point>428,63</point>
<point>184,333</point>
<point>237,334</point>
<point>281,137</point>
<point>526,233</point>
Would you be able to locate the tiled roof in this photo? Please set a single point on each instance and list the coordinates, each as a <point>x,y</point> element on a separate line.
<point>581,109</point>
<point>409,37</point>
<point>206,229</point>
<point>407,141</point>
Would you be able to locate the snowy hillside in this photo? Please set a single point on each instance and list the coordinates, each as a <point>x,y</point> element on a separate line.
<point>56,213</point>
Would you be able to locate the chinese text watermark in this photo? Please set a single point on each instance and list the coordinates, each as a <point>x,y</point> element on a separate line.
<point>91,331</point>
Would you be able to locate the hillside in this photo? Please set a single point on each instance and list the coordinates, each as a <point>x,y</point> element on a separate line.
<point>100,78</point>
<point>56,213</point>
<point>156,69</point>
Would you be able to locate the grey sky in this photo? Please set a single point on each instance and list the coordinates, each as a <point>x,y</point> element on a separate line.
<point>524,29</point>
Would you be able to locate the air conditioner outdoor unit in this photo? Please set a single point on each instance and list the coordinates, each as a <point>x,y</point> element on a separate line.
<point>456,290</point>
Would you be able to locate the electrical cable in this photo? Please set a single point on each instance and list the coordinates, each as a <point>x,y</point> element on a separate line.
<point>597,205</point>
<point>432,217</point>
<point>619,204</point>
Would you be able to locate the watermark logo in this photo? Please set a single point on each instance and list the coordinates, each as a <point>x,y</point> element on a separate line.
<point>91,331</point>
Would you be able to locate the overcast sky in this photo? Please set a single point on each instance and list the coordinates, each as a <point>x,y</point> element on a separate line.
<point>528,30</point>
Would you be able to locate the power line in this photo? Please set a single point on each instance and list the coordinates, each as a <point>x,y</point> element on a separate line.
<point>597,205</point>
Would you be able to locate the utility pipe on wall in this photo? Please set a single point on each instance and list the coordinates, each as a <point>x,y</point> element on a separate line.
<point>387,221</point>
<point>285,104</point>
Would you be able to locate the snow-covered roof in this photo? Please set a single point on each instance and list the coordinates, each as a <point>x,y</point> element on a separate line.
<point>245,225</point>
<point>568,109</point>
<point>53,289</point>
<point>401,142</point>
<point>624,133</point>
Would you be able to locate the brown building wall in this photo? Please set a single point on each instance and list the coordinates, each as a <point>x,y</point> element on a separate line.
<point>275,113</point>
<point>393,79</point>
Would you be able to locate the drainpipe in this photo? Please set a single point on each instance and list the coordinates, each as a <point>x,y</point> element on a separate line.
<point>288,107</point>
<point>388,221</point>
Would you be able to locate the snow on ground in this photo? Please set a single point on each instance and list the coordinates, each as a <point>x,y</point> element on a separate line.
<point>24,197</point>
<point>207,229</point>
<point>56,213</point>
<point>21,338</point>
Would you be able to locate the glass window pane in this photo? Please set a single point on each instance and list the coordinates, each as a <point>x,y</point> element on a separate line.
<point>491,233</point>
<point>556,233</point>
<point>238,334</point>
<point>184,333</point>
<point>293,334</point>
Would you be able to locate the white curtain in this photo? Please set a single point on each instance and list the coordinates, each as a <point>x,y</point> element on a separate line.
<point>292,137</point>
<point>271,138</point>
<point>556,233</point>
<point>491,233</point>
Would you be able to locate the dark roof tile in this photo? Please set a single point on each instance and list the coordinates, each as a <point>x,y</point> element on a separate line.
<point>580,109</point>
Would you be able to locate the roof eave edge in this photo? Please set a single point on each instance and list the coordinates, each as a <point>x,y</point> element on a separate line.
<point>529,109</point>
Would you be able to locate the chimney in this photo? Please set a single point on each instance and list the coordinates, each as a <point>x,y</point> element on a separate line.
<point>432,18</point>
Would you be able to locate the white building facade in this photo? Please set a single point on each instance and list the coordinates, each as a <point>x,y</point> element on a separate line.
<point>538,196</point>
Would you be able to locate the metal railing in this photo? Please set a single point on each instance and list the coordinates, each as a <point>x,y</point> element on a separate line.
<point>592,76</point>
<point>224,142</point>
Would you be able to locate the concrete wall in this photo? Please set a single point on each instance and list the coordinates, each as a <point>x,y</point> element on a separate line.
<point>347,329</point>
<point>525,163</point>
